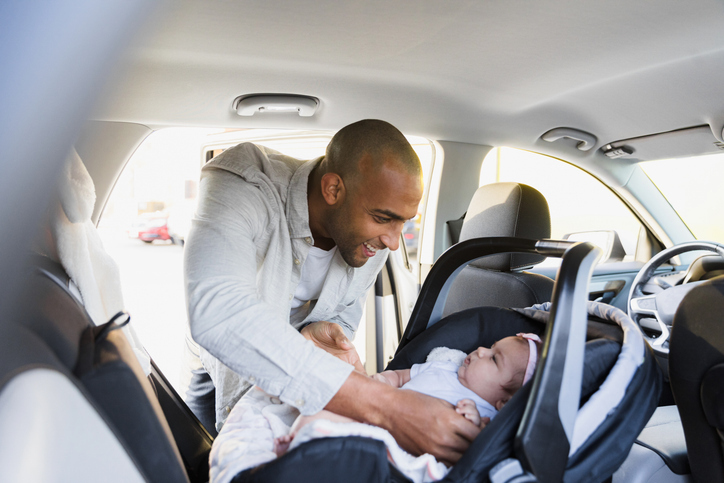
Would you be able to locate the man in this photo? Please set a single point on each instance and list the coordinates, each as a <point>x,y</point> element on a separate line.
<point>280,246</point>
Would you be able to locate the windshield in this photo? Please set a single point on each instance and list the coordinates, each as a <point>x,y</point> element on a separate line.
<point>693,187</point>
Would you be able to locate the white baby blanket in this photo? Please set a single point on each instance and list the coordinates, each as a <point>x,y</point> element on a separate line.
<point>247,439</point>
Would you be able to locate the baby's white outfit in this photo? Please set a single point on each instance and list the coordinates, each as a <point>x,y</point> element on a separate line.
<point>440,379</point>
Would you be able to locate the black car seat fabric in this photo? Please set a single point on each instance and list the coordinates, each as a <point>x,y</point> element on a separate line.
<point>503,210</point>
<point>696,370</point>
<point>56,332</point>
<point>191,437</point>
<point>352,459</point>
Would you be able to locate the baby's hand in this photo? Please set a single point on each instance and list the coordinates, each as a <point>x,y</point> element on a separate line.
<point>281,444</point>
<point>380,377</point>
<point>467,408</point>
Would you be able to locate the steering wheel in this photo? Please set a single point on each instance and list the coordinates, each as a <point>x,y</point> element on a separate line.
<point>655,312</point>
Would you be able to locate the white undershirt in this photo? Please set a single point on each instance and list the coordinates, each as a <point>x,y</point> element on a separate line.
<point>314,271</point>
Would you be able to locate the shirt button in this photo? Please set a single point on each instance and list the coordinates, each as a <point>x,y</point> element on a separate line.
<point>228,409</point>
<point>275,400</point>
<point>300,402</point>
<point>296,261</point>
<point>308,240</point>
<point>252,379</point>
<point>291,296</point>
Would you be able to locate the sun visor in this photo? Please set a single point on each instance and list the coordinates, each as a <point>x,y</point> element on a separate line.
<point>673,144</point>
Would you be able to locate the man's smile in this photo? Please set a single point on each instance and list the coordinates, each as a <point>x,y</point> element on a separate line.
<point>369,250</point>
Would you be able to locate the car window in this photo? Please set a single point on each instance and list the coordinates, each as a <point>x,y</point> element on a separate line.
<point>703,213</point>
<point>578,202</point>
<point>142,226</point>
<point>147,217</point>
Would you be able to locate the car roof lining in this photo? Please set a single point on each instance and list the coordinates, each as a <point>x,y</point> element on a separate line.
<point>464,71</point>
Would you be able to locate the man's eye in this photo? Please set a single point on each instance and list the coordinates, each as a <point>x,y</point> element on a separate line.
<point>380,219</point>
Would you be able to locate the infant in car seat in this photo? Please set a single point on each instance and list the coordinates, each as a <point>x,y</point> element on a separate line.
<point>478,384</point>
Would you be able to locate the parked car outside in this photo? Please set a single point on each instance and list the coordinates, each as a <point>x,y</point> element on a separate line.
<point>149,227</point>
<point>411,234</point>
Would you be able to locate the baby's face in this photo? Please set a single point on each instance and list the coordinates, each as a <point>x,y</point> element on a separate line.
<point>488,372</point>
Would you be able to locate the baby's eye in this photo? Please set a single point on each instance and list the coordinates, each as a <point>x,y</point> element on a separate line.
<point>494,360</point>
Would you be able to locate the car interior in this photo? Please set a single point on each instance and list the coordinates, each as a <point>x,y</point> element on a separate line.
<point>556,131</point>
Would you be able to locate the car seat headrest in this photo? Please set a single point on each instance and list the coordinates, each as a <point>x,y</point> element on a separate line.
<point>510,210</point>
<point>76,191</point>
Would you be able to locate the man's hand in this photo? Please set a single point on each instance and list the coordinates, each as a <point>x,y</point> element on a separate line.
<point>330,337</point>
<point>430,425</point>
<point>420,424</point>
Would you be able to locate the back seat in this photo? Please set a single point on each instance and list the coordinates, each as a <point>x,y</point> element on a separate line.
<point>88,410</point>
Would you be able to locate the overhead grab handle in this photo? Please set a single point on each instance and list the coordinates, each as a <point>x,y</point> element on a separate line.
<point>249,105</point>
<point>586,140</point>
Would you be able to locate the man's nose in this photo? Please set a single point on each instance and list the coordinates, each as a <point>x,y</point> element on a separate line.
<point>391,238</point>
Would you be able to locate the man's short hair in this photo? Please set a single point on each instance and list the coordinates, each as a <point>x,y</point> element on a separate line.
<point>378,139</point>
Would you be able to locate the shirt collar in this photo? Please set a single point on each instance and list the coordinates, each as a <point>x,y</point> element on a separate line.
<point>297,209</point>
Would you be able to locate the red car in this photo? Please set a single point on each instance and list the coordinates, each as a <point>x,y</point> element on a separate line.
<point>149,227</point>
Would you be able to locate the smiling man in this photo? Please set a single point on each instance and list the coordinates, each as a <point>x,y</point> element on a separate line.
<point>283,252</point>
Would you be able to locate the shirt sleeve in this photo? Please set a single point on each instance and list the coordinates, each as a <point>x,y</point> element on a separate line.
<point>227,315</point>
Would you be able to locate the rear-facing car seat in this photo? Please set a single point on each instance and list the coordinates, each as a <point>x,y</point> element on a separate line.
<point>505,210</point>
<point>541,432</point>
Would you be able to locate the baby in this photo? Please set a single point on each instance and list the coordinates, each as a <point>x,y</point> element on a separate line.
<point>478,388</point>
<point>482,384</point>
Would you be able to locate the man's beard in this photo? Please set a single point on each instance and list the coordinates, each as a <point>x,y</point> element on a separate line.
<point>347,246</point>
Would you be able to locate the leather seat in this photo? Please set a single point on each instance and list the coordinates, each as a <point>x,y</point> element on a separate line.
<point>696,370</point>
<point>505,210</point>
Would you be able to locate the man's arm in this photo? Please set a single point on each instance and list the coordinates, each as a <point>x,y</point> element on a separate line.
<point>419,423</point>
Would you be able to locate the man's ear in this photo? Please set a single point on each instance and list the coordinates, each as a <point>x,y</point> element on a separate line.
<point>333,189</point>
<point>501,402</point>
